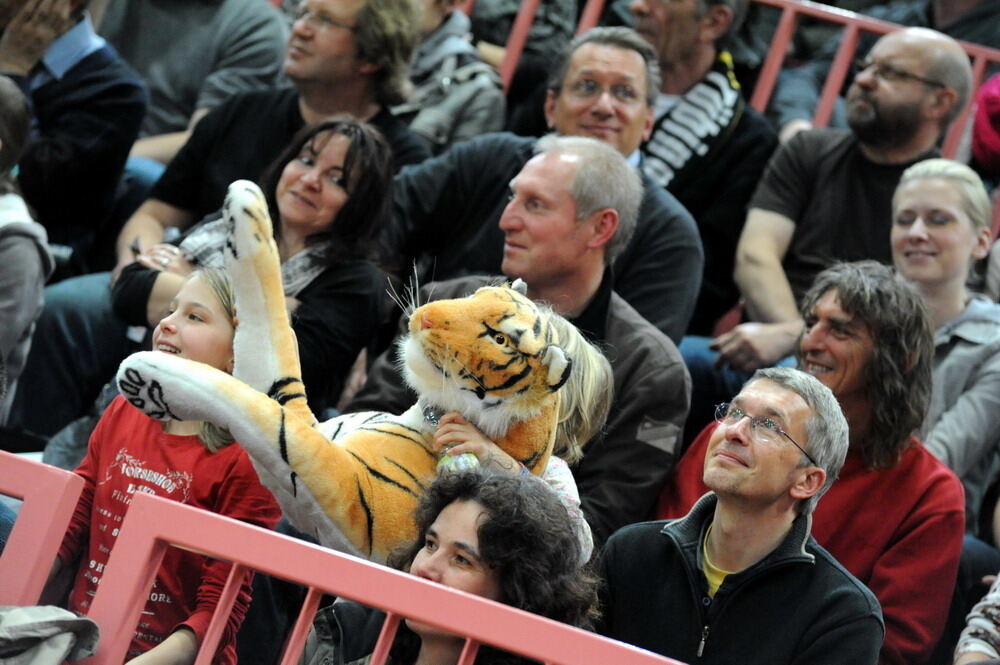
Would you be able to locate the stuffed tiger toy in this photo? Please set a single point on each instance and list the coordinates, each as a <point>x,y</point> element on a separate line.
<point>354,481</point>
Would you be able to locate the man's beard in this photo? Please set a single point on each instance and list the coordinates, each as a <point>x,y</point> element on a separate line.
<point>875,125</point>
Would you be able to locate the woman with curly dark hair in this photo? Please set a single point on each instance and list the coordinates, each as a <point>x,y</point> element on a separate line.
<point>501,536</point>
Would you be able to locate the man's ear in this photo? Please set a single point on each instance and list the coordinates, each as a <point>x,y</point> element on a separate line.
<point>715,23</point>
<point>810,481</point>
<point>550,108</point>
<point>605,223</point>
<point>941,102</point>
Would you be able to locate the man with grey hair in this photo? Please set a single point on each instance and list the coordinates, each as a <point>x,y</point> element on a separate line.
<point>571,207</point>
<point>706,146</point>
<point>447,208</point>
<point>740,579</point>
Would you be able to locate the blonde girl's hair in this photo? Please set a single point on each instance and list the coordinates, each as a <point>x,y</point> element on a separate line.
<point>213,437</point>
<point>975,199</point>
<point>586,397</point>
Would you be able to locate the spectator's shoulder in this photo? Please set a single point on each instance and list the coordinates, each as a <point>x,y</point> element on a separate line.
<point>637,534</point>
<point>256,15</point>
<point>627,329</point>
<point>458,287</point>
<point>754,128</point>
<point>260,102</point>
<point>661,209</point>
<point>817,143</point>
<point>921,465</point>
<point>840,585</point>
<point>499,144</point>
<point>105,64</point>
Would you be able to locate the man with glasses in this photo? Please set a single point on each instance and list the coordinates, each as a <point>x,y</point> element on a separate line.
<point>826,196</point>
<point>895,518</point>
<point>740,579</point>
<point>798,89</point>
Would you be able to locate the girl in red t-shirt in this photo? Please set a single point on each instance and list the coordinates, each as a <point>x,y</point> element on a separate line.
<point>190,462</point>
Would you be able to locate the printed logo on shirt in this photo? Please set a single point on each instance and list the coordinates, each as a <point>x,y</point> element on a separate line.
<point>175,484</point>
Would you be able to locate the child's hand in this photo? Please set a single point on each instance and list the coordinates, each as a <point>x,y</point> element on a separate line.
<point>455,435</point>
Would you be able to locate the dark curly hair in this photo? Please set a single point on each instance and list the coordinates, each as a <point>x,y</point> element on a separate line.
<point>898,378</point>
<point>528,541</point>
<point>368,173</point>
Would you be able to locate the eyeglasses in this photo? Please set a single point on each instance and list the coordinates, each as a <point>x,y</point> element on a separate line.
<point>890,74</point>
<point>762,428</point>
<point>586,89</point>
<point>320,20</point>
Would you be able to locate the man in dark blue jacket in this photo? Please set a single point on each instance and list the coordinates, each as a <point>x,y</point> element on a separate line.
<point>87,105</point>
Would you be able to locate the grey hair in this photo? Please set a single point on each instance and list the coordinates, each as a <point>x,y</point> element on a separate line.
<point>827,432</point>
<point>968,184</point>
<point>739,12</point>
<point>603,179</point>
<point>626,39</point>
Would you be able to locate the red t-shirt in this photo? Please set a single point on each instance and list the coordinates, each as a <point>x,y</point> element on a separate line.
<point>128,453</point>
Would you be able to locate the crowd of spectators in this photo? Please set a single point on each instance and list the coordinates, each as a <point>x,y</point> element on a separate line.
<point>624,177</point>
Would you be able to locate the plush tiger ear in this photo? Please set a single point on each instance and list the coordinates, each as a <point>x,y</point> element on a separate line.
<point>519,286</point>
<point>558,364</point>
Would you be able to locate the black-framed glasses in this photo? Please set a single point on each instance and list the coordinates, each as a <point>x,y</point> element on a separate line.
<point>762,428</point>
<point>891,74</point>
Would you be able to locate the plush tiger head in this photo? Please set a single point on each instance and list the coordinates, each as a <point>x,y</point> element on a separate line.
<point>491,356</point>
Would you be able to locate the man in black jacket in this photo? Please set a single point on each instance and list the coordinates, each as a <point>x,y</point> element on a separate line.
<point>740,579</point>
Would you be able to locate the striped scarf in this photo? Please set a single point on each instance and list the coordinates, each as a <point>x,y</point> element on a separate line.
<point>687,136</point>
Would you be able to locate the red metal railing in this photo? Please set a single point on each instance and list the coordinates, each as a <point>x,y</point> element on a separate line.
<point>49,495</point>
<point>152,524</point>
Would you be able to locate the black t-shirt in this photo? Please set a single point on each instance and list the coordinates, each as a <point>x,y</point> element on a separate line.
<point>840,201</point>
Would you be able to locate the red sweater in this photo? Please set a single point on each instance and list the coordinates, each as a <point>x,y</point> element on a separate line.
<point>129,452</point>
<point>897,530</point>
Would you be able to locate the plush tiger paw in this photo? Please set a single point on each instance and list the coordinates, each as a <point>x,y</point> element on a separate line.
<point>250,230</point>
<point>137,385</point>
<point>166,387</point>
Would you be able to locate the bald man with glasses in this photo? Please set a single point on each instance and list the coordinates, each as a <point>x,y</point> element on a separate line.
<point>740,579</point>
